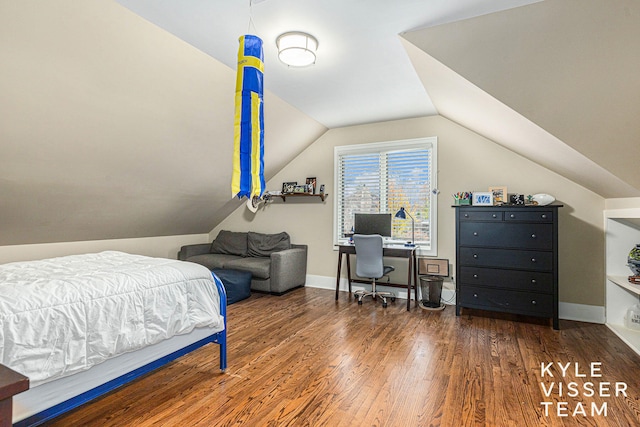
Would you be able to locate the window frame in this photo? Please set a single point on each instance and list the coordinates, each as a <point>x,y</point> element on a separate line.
<point>380,147</point>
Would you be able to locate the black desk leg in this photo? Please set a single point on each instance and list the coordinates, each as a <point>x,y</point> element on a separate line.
<point>409,283</point>
<point>349,272</point>
<point>338,275</point>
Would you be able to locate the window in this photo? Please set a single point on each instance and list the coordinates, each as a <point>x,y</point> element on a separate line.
<point>382,178</point>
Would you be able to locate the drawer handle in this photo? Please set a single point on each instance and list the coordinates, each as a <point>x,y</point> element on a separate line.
<point>533,260</point>
<point>533,281</point>
<point>475,233</point>
<point>475,255</point>
<point>494,215</point>
<point>534,302</point>
<point>466,215</point>
<point>512,216</point>
<point>475,276</point>
<point>544,216</point>
<point>475,295</point>
<point>533,236</point>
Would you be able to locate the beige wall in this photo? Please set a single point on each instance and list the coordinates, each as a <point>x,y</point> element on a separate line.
<point>623,203</point>
<point>164,247</point>
<point>466,161</point>
<point>112,128</point>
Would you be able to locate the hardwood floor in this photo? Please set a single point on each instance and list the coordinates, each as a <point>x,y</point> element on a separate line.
<point>303,359</point>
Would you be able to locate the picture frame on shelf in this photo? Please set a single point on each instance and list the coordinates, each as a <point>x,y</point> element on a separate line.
<point>482,198</point>
<point>499,194</point>
<point>312,181</point>
<point>288,187</point>
<point>300,188</point>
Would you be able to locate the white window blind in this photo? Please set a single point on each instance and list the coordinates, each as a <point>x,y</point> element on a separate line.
<point>382,178</point>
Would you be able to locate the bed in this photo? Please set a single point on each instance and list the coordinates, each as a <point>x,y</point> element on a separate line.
<point>80,326</point>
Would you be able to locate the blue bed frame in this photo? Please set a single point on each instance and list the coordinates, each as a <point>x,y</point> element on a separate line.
<point>219,338</point>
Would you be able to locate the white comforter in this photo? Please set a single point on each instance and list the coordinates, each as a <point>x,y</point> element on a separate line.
<point>63,315</point>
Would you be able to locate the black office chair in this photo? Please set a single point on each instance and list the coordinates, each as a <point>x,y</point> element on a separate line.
<point>370,264</point>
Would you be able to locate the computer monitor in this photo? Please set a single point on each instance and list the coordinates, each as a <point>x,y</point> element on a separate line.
<point>372,224</point>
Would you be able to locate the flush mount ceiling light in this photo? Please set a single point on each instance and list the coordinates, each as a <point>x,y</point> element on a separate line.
<point>297,49</point>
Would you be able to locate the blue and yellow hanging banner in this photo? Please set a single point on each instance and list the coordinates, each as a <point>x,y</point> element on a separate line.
<point>248,144</point>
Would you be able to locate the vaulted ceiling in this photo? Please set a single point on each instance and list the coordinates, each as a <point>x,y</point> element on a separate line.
<point>551,80</point>
<point>361,75</point>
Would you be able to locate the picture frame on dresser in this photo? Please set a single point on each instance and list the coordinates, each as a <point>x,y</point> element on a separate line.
<point>499,195</point>
<point>482,198</point>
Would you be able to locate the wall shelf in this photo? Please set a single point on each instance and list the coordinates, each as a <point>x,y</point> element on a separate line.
<point>300,195</point>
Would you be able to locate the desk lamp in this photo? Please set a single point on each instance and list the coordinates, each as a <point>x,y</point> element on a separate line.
<point>402,214</point>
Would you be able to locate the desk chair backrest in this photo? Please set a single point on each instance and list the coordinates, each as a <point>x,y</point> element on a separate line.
<point>369,261</point>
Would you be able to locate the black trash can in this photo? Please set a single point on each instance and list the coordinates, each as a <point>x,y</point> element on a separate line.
<point>431,292</point>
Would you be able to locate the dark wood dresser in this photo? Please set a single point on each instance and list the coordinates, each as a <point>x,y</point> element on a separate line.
<point>507,259</point>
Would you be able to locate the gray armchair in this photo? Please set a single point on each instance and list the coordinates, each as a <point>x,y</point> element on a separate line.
<point>276,265</point>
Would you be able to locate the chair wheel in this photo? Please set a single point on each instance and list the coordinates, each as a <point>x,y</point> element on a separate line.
<point>393,299</point>
<point>359,302</point>
<point>384,305</point>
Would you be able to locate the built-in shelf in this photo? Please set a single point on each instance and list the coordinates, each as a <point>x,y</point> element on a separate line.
<point>622,231</point>
<point>623,281</point>
<point>295,195</point>
<point>630,337</point>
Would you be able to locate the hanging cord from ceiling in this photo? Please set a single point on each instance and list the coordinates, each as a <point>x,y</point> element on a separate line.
<point>251,24</point>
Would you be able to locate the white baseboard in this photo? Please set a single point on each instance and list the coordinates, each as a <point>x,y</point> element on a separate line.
<point>324,282</point>
<point>567,310</point>
<point>581,312</point>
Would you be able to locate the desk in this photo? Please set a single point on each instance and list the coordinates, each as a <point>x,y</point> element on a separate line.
<point>395,251</point>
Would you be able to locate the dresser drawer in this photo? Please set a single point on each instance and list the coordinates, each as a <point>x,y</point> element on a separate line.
<point>480,215</point>
<point>506,235</point>
<point>505,258</point>
<point>528,216</point>
<point>528,303</point>
<point>508,279</point>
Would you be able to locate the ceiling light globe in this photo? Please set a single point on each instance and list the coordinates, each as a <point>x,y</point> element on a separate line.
<point>297,49</point>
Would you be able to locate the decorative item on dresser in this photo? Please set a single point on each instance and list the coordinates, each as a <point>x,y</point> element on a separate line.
<point>500,195</point>
<point>507,259</point>
<point>482,198</point>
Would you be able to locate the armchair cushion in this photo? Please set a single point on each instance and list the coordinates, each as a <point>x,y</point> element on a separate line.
<point>262,245</point>
<point>260,267</point>
<point>230,243</point>
<point>212,261</point>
